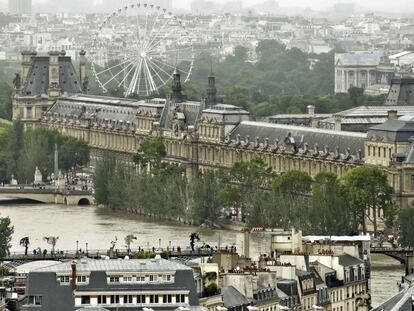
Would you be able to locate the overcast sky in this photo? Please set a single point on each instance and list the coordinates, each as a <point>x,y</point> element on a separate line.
<point>374,5</point>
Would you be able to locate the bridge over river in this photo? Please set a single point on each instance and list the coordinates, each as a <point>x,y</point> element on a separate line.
<point>397,253</point>
<point>47,194</point>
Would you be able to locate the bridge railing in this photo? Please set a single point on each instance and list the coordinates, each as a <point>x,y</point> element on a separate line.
<point>97,253</point>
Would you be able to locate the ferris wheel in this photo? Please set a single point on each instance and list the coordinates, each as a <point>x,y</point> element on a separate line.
<point>137,49</point>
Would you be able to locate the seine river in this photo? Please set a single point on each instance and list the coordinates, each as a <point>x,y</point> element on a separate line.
<point>98,227</point>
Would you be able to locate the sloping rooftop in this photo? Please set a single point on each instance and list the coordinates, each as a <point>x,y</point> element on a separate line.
<point>401,92</point>
<point>232,297</point>
<point>348,260</point>
<point>115,265</point>
<point>312,136</point>
<point>400,130</point>
<point>37,81</point>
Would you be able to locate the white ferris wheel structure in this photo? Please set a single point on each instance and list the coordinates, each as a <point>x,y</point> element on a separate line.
<point>137,48</point>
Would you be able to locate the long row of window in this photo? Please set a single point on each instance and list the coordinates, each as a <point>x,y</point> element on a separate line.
<point>132,299</point>
<point>153,278</point>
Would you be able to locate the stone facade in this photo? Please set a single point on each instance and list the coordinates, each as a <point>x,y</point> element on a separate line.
<point>206,135</point>
<point>360,69</point>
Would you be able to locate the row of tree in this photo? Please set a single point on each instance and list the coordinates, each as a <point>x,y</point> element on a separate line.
<point>325,205</point>
<point>25,150</point>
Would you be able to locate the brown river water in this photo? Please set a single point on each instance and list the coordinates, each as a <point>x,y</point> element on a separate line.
<point>98,227</point>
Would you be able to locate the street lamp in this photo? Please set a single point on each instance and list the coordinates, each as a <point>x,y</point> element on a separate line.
<point>86,249</point>
<point>77,248</point>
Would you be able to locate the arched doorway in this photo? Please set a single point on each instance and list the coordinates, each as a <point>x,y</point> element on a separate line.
<point>84,201</point>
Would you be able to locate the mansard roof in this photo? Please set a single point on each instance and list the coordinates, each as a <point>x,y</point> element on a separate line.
<point>189,112</point>
<point>401,92</point>
<point>400,130</point>
<point>103,110</point>
<point>37,81</point>
<point>303,137</point>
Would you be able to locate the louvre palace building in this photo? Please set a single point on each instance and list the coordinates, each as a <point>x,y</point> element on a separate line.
<point>204,135</point>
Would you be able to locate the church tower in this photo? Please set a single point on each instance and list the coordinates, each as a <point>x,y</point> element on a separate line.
<point>177,95</point>
<point>211,91</point>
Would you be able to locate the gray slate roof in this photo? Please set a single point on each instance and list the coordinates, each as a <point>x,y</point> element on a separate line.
<point>99,108</point>
<point>401,92</point>
<point>312,136</point>
<point>393,130</point>
<point>232,297</point>
<point>348,260</point>
<point>115,265</point>
<point>37,81</point>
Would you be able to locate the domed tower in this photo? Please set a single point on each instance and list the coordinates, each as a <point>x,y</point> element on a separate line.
<point>177,95</point>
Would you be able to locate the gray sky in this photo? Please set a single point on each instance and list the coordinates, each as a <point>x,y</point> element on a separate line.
<point>374,5</point>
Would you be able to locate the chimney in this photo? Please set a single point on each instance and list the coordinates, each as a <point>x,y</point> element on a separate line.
<point>392,115</point>
<point>82,69</point>
<point>338,123</point>
<point>73,282</point>
<point>311,110</point>
<point>54,74</point>
<point>27,61</point>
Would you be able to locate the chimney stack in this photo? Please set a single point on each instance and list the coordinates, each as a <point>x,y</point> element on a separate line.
<point>311,110</point>
<point>73,281</point>
<point>392,114</point>
<point>82,70</point>
<point>338,123</point>
<point>27,61</point>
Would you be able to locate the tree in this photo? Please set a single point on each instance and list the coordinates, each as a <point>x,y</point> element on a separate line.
<point>14,147</point>
<point>6,232</point>
<point>367,191</point>
<point>237,96</point>
<point>150,153</point>
<point>406,226</point>
<point>355,95</point>
<point>291,192</point>
<point>329,213</point>
<point>206,200</point>
<point>105,169</point>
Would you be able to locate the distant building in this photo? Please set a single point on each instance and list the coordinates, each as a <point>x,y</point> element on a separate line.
<point>113,284</point>
<point>359,69</point>
<point>20,7</point>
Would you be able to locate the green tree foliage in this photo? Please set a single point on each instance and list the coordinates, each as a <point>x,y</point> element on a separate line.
<point>406,226</point>
<point>329,213</point>
<point>150,153</point>
<point>4,134</point>
<point>6,232</point>
<point>105,169</point>
<point>38,151</point>
<point>26,150</point>
<point>291,191</point>
<point>366,189</point>
<point>206,197</point>
<point>15,146</point>
<point>324,205</point>
<point>5,101</point>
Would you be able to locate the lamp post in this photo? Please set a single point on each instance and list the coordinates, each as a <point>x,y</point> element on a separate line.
<point>77,248</point>
<point>86,244</point>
